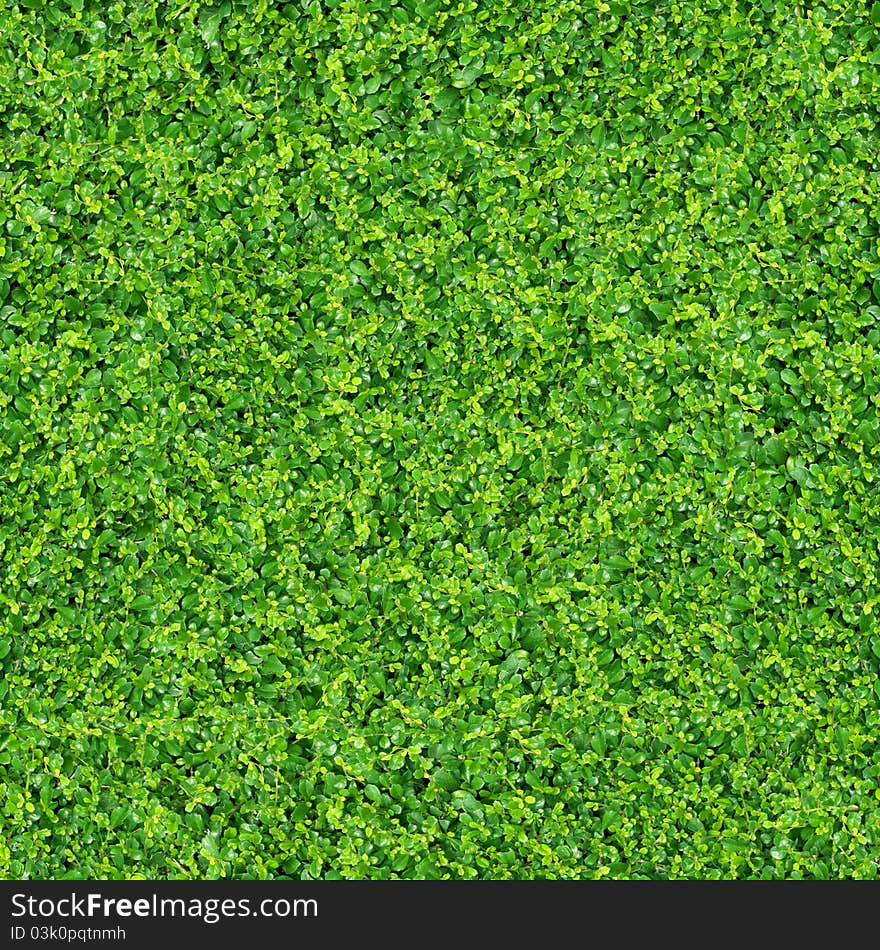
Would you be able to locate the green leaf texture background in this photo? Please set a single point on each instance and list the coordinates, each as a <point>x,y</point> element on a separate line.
<point>439,440</point>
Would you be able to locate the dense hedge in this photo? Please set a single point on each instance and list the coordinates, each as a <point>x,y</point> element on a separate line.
<point>439,439</point>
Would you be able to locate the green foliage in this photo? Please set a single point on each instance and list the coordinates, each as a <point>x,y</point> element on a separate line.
<point>439,440</point>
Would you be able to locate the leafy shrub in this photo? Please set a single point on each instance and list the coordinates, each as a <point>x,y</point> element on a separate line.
<point>439,439</point>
